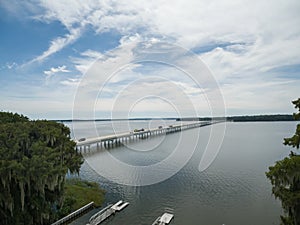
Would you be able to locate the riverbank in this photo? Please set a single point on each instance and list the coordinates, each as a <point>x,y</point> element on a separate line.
<point>79,193</point>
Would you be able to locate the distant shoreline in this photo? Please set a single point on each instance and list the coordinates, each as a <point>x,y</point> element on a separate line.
<point>255,118</point>
<point>246,118</point>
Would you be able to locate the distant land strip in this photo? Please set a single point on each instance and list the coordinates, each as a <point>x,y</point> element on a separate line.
<point>252,118</point>
<point>246,118</point>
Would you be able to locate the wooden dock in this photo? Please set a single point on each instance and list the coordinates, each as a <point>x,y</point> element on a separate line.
<point>164,219</point>
<point>109,141</point>
<point>74,214</point>
<point>94,217</point>
<point>119,205</point>
<point>108,211</point>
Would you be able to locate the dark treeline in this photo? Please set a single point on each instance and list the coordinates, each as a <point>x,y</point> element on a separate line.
<point>261,118</point>
<point>8,117</point>
<point>98,120</point>
<point>254,118</point>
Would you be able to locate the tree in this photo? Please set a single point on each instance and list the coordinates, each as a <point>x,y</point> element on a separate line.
<point>285,177</point>
<point>34,159</point>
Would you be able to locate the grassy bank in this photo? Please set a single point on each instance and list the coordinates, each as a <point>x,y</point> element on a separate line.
<point>79,193</point>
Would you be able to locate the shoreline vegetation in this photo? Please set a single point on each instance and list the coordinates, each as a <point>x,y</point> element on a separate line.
<point>244,118</point>
<point>78,193</point>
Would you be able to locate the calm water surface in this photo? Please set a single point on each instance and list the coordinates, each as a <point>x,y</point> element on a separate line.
<point>232,191</point>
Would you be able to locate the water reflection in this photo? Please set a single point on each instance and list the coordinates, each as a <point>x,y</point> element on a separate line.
<point>233,190</point>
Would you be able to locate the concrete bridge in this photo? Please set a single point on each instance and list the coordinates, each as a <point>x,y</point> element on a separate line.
<point>109,141</point>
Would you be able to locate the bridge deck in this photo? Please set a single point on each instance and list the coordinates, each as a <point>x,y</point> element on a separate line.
<point>132,135</point>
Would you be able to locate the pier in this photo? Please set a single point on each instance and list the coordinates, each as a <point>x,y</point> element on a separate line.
<point>164,219</point>
<point>74,214</point>
<point>109,141</point>
<point>108,211</point>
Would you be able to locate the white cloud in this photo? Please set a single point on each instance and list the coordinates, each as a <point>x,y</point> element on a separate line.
<point>260,35</point>
<point>53,70</point>
<point>189,24</point>
<point>105,64</point>
<point>92,54</point>
<point>11,65</point>
<point>86,59</point>
<point>119,78</point>
<point>58,44</point>
<point>72,82</point>
<point>21,10</point>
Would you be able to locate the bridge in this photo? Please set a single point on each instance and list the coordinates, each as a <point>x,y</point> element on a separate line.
<point>112,140</point>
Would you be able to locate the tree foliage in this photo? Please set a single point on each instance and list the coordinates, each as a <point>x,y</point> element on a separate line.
<point>8,117</point>
<point>285,177</point>
<point>34,159</point>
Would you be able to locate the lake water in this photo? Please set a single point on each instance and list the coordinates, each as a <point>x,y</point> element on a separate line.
<point>233,190</point>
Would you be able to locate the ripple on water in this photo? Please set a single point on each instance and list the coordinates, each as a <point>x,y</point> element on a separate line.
<point>233,190</point>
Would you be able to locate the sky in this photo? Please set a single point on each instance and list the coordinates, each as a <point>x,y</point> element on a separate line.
<point>65,59</point>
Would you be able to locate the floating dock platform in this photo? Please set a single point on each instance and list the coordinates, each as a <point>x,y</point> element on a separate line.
<point>164,219</point>
<point>106,212</point>
<point>119,205</point>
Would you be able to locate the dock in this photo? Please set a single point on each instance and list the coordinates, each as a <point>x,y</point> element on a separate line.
<point>102,212</point>
<point>74,214</point>
<point>106,212</point>
<point>164,219</point>
<point>119,205</point>
<point>112,140</point>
